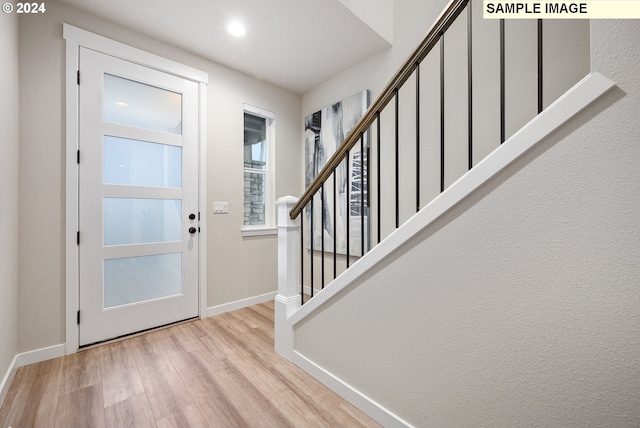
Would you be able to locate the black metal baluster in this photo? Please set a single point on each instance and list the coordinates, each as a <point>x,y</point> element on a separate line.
<point>322,239</point>
<point>417,136</point>
<point>397,159</point>
<point>379,202</point>
<point>348,205</point>
<point>361,194</point>
<point>335,237</point>
<point>369,190</point>
<point>502,84</point>
<point>312,239</point>
<point>470,81</point>
<point>441,112</point>
<point>540,71</point>
<point>369,168</point>
<point>302,257</point>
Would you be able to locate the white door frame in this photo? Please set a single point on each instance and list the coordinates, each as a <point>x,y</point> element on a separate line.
<point>75,38</point>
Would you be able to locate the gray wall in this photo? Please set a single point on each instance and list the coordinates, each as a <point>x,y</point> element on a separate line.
<point>521,306</point>
<point>8,190</point>
<point>42,171</point>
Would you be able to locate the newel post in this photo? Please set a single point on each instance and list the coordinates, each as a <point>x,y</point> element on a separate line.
<point>288,299</point>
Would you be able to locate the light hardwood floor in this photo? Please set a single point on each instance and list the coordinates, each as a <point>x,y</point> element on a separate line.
<point>216,372</point>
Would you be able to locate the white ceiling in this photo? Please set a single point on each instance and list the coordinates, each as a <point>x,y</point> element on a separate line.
<point>295,44</point>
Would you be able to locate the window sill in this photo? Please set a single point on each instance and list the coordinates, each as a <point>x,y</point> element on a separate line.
<point>259,231</point>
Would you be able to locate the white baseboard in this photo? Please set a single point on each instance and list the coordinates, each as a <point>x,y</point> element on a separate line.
<point>372,409</point>
<point>239,304</point>
<point>7,379</point>
<point>39,355</point>
<point>26,358</point>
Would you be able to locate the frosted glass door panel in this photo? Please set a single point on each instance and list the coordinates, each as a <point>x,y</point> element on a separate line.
<point>144,106</point>
<point>138,221</point>
<point>141,163</point>
<point>138,279</point>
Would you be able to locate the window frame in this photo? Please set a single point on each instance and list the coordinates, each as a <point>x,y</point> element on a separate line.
<point>268,228</point>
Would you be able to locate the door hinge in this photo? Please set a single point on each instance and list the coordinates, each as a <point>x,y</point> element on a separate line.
<point>78,237</point>
<point>78,317</point>
<point>78,157</point>
<point>78,77</point>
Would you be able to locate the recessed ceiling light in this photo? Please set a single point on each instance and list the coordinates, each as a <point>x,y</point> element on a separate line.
<point>237,29</point>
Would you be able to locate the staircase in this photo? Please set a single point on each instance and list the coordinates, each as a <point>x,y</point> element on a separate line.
<point>421,180</point>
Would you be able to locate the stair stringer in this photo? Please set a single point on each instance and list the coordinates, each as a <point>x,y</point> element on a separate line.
<point>585,92</point>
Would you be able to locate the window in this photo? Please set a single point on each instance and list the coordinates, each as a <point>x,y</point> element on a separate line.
<point>258,168</point>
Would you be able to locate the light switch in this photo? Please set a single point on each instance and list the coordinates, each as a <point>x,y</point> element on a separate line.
<point>221,207</point>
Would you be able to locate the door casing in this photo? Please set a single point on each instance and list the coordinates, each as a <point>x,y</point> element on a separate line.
<point>75,38</point>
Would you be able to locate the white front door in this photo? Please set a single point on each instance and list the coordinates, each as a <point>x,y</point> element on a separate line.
<point>138,198</point>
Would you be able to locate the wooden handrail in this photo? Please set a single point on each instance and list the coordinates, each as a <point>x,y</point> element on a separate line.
<point>444,21</point>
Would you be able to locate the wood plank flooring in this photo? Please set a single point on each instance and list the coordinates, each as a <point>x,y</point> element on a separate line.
<point>216,372</point>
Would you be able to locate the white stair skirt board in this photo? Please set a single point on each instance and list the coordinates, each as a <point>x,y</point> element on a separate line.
<point>239,304</point>
<point>365,404</point>
<point>564,108</point>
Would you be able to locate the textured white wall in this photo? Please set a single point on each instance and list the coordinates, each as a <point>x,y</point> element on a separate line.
<point>42,171</point>
<point>8,190</point>
<point>520,307</point>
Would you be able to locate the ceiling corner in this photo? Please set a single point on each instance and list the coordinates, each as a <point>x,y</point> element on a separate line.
<point>377,14</point>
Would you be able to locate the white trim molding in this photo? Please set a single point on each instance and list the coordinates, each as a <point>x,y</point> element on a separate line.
<point>258,231</point>
<point>25,359</point>
<point>40,355</point>
<point>72,295</point>
<point>102,44</point>
<point>7,379</point>
<point>240,304</point>
<point>202,200</point>
<point>365,404</point>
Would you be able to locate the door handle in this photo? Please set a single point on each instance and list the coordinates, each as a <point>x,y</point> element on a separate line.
<point>192,230</point>
<point>192,216</point>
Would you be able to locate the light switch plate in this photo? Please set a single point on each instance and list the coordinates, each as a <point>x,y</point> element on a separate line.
<point>221,207</point>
